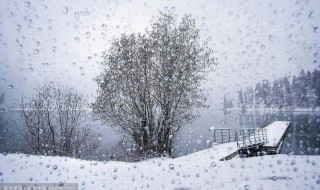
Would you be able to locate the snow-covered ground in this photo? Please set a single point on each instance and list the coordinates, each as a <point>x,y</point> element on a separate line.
<point>200,170</point>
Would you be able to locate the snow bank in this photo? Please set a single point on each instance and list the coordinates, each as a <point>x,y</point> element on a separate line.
<point>200,170</point>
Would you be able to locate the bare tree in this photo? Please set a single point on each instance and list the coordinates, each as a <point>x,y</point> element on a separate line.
<point>53,121</point>
<point>150,82</point>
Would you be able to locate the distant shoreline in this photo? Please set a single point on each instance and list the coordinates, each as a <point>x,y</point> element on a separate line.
<point>317,109</point>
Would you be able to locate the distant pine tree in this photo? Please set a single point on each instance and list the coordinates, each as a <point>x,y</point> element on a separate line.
<point>303,92</point>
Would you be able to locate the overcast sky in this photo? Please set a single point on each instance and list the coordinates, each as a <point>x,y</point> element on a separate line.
<point>62,41</point>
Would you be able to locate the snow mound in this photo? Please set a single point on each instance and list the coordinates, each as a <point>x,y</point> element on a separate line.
<point>200,170</point>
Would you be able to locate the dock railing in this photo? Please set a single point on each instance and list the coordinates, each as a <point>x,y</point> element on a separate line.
<point>251,137</point>
<point>244,137</point>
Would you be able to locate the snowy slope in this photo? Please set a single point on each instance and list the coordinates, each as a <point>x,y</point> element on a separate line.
<point>201,170</point>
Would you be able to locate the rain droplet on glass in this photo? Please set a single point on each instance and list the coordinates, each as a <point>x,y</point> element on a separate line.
<point>65,10</point>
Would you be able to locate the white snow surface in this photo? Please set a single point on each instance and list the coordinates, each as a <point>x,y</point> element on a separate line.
<point>275,131</point>
<point>200,170</point>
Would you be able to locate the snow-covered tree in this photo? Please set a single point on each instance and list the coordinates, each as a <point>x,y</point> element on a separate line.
<point>277,97</point>
<point>54,123</point>
<point>150,83</point>
<point>303,92</point>
<point>287,92</point>
<point>258,94</point>
<point>240,98</point>
<point>227,103</point>
<point>266,93</point>
<point>316,82</point>
<point>1,98</point>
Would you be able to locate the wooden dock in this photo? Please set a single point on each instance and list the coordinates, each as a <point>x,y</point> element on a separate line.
<point>260,141</point>
<point>276,133</point>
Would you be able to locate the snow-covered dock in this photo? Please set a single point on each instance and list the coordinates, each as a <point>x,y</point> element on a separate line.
<point>253,142</point>
<point>276,132</point>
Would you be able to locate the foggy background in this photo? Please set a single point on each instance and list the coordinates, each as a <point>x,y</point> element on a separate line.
<point>62,41</point>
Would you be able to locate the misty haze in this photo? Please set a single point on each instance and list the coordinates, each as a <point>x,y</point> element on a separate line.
<point>160,94</point>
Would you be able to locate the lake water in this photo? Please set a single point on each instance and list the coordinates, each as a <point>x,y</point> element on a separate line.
<point>303,137</point>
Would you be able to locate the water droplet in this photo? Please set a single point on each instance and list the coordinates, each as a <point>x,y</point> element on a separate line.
<point>82,166</point>
<point>104,26</point>
<point>279,161</point>
<point>213,164</point>
<point>197,175</point>
<point>311,14</point>
<point>115,170</point>
<point>76,15</point>
<point>88,34</point>
<point>171,166</point>
<point>262,47</point>
<point>65,10</point>
<point>10,86</point>
<point>232,165</point>
<point>115,177</point>
<point>55,167</point>
<point>108,17</point>
<point>28,4</point>
<point>315,29</point>
<point>60,183</point>
<point>76,39</point>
